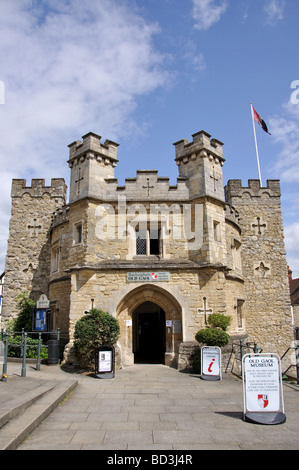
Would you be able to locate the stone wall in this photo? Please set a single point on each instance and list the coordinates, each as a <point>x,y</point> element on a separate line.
<point>267,299</point>
<point>27,265</point>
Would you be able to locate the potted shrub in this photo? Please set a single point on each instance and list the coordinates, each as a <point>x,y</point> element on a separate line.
<point>215,334</point>
<point>95,329</point>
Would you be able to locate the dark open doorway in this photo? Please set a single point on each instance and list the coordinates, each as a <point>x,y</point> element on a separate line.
<point>149,334</point>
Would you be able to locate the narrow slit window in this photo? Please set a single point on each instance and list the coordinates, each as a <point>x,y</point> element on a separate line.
<point>78,234</point>
<point>240,318</point>
<point>55,258</point>
<point>216,228</point>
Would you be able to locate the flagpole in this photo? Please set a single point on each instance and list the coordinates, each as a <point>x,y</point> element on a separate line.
<point>256,149</point>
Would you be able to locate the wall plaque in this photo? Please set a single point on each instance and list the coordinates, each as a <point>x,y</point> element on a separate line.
<point>43,302</point>
<point>148,277</point>
<point>177,326</point>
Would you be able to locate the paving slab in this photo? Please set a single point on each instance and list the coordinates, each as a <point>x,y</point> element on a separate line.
<point>155,408</point>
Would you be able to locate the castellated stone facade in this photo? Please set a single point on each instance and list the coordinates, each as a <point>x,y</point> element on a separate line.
<point>159,257</point>
<point>28,256</point>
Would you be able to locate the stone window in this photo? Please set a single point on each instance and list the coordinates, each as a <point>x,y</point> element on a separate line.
<point>55,257</point>
<point>78,233</point>
<point>216,228</point>
<point>148,242</point>
<point>236,254</point>
<point>240,315</point>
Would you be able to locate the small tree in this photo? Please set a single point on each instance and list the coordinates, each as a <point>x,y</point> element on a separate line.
<point>25,306</point>
<point>215,334</point>
<point>95,329</point>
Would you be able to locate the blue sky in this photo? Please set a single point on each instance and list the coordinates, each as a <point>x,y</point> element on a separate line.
<point>147,73</point>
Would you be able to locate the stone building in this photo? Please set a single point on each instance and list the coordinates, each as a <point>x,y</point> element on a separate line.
<point>294,293</point>
<point>2,278</point>
<point>159,257</point>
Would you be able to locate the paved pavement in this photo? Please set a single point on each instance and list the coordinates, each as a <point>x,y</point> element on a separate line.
<point>154,408</point>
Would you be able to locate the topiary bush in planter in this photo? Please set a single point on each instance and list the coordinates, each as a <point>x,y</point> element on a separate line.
<point>95,329</point>
<point>215,334</point>
<point>212,337</point>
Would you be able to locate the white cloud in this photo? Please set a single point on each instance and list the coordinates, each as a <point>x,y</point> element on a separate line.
<point>81,66</point>
<point>285,132</point>
<point>292,246</point>
<point>207,12</point>
<point>194,58</point>
<point>69,68</point>
<point>274,10</point>
<point>199,62</point>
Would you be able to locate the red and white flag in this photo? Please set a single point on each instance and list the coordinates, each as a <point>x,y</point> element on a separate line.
<point>261,122</point>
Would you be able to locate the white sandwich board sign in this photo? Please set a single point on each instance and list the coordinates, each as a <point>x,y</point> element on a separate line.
<point>262,389</point>
<point>211,363</point>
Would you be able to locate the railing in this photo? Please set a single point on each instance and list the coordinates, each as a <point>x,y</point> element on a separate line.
<point>239,349</point>
<point>23,348</point>
<point>296,349</point>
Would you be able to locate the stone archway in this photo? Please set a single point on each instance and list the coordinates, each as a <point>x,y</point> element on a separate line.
<point>172,316</point>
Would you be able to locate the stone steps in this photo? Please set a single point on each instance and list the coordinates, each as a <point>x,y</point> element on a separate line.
<point>22,414</point>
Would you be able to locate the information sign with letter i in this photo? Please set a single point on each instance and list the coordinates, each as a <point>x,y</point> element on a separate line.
<point>211,363</point>
<point>262,389</point>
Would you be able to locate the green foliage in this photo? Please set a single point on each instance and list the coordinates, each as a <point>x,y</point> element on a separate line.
<point>14,347</point>
<point>218,320</point>
<point>93,330</point>
<point>25,306</point>
<point>215,335</point>
<point>212,337</point>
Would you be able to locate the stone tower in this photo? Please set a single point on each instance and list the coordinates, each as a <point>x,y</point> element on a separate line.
<point>267,297</point>
<point>27,266</point>
<point>200,163</point>
<point>91,163</point>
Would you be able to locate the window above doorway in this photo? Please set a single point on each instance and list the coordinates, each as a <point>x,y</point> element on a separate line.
<point>148,242</point>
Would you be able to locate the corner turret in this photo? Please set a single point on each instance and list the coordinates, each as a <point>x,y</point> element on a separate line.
<point>91,162</point>
<point>201,162</point>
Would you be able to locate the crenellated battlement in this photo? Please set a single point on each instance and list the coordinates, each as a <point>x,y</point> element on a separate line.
<point>234,188</point>
<point>92,148</point>
<point>147,186</point>
<point>60,216</point>
<point>202,146</point>
<point>231,214</point>
<point>38,188</point>
<point>201,161</point>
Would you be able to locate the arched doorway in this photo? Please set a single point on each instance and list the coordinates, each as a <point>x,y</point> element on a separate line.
<point>150,319</point>
<point>149,343</point>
